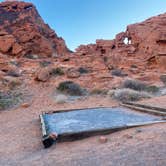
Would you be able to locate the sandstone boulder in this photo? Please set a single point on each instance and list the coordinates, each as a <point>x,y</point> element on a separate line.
<point>43,74</point>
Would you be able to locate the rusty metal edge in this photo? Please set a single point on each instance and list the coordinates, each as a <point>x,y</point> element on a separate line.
<point>47,139</point>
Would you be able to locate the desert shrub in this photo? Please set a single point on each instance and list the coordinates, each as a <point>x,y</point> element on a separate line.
<point>163,78</point>
<point>45,63</point>
<point>128,95</point>
<point>15,63</point>
<point>31,56</point>
<point>13,73</point>
<point>152,89</point>
<point>71,88</point>
<point>99,92</point>
<point>133,66</point>
<point>57,71</point>
<point>118,72</point>
<point>8,99</point>
<point>163,91</point>
<point>134,84</point>
<point>11,82</point>
<point>83,70</point>
<point>61,99</point>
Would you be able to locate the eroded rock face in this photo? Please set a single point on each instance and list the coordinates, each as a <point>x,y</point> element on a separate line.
<point>138,53</point>
<point>143,44</point>
<point>23,32</point>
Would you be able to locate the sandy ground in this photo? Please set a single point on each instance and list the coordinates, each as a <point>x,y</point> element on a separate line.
<point>155,102</point>
<point>20,138</point>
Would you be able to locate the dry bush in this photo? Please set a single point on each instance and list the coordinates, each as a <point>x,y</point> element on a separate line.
<point>99,92</point>
<point>163,78</point>
<point>71,88</point>
<point>57,71</point>
<point>9,99</point>
<point>134,84</point>
<point>118,73</point>
<point>61,99</point>
<point>83,70</point>
<point>128,95</point>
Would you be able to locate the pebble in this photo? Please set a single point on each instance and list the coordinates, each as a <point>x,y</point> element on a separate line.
<point>103,139</point>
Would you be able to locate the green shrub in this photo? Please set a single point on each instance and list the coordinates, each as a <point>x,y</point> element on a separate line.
<point>71,88</point>
<point>134,84</point>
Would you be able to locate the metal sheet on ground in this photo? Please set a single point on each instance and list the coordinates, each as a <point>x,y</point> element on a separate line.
<point>85,121</point>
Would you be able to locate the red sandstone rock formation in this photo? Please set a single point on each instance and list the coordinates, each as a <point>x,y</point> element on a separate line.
<point>139,53</point>
<point>23,32</point>
<point>143,44</point>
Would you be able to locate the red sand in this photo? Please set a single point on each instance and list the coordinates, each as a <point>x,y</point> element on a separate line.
<point>20,139</point>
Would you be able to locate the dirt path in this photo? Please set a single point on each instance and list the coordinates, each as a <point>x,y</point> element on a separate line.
<point>20,139</point>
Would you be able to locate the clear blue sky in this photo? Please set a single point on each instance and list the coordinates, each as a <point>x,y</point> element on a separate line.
<point>84,21</point>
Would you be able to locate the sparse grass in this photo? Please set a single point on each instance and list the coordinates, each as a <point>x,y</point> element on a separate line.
<point>99,92</point>
<point>118,73</point>
<point>163,78</point>
<point>45,63</point>
<point>152,89</point>
<point>61,99</point>
<point>128,95</point>
<point>11,82</point>
<point>9,99</point>
<point>163,91</point>
<point>31,56</point>
<point>134,84</point>
<point>13,73</point>
<point>57,71</point>
<point>83,70</point>
<point>71,88</point>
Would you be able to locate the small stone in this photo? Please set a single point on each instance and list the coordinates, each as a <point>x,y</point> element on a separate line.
<point>25,105</point>
<point>53,136</point>
<point>138,130</point>
<point>128,136</point>
<point>103,139</point>
<point>43,75</point>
